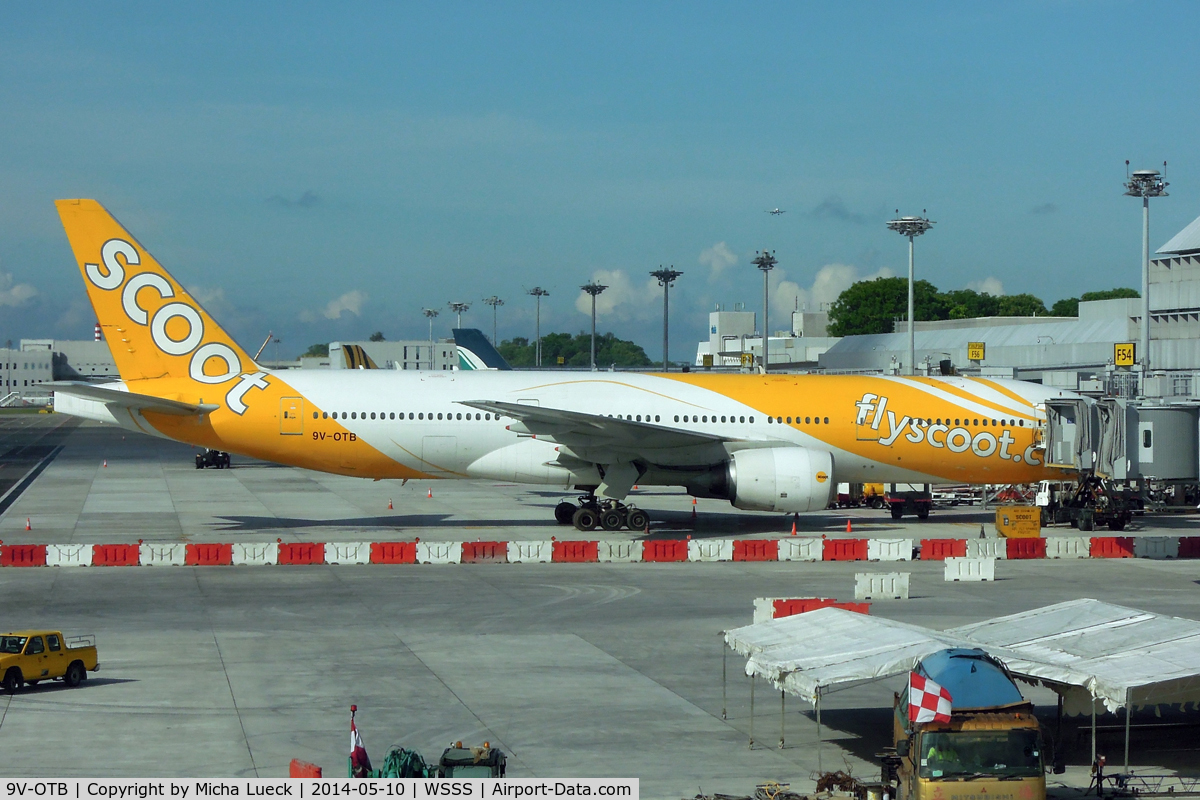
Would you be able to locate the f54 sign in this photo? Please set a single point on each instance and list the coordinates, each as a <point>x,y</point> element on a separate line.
<point>1124,354</point>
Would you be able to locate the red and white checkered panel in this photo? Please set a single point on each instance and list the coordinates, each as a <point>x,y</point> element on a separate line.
<point>927,701</point>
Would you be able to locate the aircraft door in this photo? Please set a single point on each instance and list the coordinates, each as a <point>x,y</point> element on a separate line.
<point>869,419</point>
<point>291,416</point>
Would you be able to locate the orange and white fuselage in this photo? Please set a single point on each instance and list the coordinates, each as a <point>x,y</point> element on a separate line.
<point>187,380</point>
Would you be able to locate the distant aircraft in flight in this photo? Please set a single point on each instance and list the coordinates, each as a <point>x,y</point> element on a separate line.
<point>775,212</point>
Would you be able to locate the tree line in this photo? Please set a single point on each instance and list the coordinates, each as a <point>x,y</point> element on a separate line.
<point>874,306</point>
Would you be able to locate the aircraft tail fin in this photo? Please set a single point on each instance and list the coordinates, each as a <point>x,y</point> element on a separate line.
<point>154,328</point>
<point>357,357</point>
<point>475,351</point>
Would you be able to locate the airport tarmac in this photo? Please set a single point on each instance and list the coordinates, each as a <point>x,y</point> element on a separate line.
<point>573,669</point>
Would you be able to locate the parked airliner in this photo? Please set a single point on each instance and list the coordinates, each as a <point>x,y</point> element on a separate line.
<point>772,442</point>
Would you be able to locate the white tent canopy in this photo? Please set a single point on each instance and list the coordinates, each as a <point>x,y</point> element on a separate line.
<point>1115,654</point>
<point>1081,648</point>
<point>831,648</point>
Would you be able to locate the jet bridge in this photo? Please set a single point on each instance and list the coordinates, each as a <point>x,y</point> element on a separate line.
<point>1123,439</point>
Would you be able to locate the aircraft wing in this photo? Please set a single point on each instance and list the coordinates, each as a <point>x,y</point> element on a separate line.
<point>595,437</point>
<point>124,399</point>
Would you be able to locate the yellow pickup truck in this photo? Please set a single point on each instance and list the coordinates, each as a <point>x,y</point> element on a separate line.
<point>33,656</point>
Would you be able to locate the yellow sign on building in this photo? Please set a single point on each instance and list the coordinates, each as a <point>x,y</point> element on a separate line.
<point>975,351</point>
<point>1124,354</point>
<point>747,359</point>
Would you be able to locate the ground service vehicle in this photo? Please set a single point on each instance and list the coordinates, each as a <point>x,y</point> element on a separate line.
<point>28,657</point>
<point>472,762</point>
<point>908,498</point>
<point>990,748</point>
<point>212,458</point>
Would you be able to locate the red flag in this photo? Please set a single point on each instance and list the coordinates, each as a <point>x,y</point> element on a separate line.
<point>927,701</point>
<point>360,762</point>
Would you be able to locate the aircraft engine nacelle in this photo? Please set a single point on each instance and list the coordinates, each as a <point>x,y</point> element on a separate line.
<point>781,479</point>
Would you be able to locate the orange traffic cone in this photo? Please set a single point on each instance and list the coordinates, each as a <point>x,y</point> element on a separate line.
<point>794,518</point>
<point>28,524</point>
<point>848,528</point>
<point>106,462</point>
<point>389,504</point>
<point>430,492</point>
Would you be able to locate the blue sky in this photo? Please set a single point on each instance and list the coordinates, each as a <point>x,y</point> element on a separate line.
<point>327,170</point>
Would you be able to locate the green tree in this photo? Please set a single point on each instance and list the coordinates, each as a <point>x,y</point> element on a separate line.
<point>575,351</point>
<point>1021,305</point>
<point>377,336</point>
<point>968,303</point>
<point>873,306</point>
<point>1111,294</point>
<point>1066,307</point>
<point>317,351</point>
<point>1069,306</point>
<point>518,352</point>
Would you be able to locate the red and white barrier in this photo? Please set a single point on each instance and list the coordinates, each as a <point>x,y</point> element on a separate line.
<point>620,552</point>
<point>1068,547</point>
<point>439,552</point>
<point>348,553</point>
<point>530,552</point>
<point>889,549</point>
<point>789,548</point>
<point>801,548</point>
<point>162,555</point>
<point>68,555</point>
<point>255,553</point>
<point>710,550</point>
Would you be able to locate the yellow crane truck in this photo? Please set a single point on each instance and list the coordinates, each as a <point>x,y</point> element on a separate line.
<point>991,747</point>
<point>28,657</point>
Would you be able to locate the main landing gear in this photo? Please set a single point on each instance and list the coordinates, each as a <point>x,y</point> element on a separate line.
<point>591,511</point>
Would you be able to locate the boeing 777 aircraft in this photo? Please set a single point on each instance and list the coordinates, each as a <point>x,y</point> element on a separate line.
<point>764,442</point>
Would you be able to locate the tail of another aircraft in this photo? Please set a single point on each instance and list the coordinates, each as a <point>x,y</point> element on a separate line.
<point>154,328</point>
<point>475,351</point>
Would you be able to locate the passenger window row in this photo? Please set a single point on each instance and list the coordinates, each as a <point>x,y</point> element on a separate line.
<point>1004,423</point>
<point>389,415</point>
<point>714,418</point>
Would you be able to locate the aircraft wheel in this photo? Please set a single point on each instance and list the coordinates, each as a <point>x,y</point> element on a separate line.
<point>922,513</point>
<point>613,519</point>
<point>637,520</point>
<point>564,512</point>
<point>585,519</point>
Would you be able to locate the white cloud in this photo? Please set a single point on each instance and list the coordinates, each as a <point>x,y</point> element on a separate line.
<point>829,282</point>
<point>351,302</point>
<point>622,299</point>
<point>717,258</point>
<point>991,286</point>
<point>14,294</point>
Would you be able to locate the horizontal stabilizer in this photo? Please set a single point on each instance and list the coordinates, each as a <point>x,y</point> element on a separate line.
<point>124,399</point>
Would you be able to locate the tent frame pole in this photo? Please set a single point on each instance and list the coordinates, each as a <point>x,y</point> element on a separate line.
<point>782,713</point>
<point>1128,709</point>
<point>752,712</point>
<point>724,700</point>
<point>819,738</point>
<point>1093,729</point>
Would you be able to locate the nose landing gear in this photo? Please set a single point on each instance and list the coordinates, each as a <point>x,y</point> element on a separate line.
<point>592,511</point>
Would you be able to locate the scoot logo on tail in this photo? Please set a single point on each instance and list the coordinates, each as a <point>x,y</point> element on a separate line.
<point>109,275</point>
